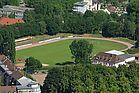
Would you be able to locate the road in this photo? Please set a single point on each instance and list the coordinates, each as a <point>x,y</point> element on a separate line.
<point>60,39</point>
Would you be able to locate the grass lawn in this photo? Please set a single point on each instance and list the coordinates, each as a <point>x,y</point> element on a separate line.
<point>125,40</point>
<point>59,52</point>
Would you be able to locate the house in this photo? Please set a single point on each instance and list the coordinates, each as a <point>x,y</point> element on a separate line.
<point>112,58</point>
<point>108,59</point>
<point>10,21</point>
<point>12,75</point>
<point>80,7</point>
<point>92,5</point>
<point>8,89</point>
<point>127,57</point>
<point>17,11</point>
<point>115,52</point>
<point>111,9</point>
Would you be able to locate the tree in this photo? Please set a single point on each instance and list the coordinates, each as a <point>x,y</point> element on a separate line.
<point>52,28</point>
<point>81,50</point>
<point>129,29</point>
<point>42,26</point>
<point>88,13</point>
<point>9,2</point>
<point>1,80</point>
<point>32,64</point>
<point>12,15</point>
<point>14,2</point>
<point>137,36</point>
<point>112,29</point>
<point>7,46</point>
<point>133,6</point>
<point>29,16</point>
<point>100,18</point>
<point>123,83</point>
<point>88,78</point>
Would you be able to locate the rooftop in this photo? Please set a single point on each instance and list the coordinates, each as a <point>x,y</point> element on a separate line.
<point>17,8</point>
<point>111,8</point>
<point>115,52</point>
<point>80,3</point>
<point>9,68</point>
<point>7,89</point>
<point>10,21</point>
<point>25,81</point>
<point>108,58</point>
<point>126,56</point>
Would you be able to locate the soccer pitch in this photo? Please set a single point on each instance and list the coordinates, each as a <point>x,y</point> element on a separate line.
<point>59,52</point>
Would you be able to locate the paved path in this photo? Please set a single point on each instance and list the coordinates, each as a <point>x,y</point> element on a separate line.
<point>60,39</point>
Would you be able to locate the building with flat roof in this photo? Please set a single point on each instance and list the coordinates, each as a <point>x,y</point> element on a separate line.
<point>115,52</point>
<point>80,7</point>
<point>92,5</point>
<point>17,11</point>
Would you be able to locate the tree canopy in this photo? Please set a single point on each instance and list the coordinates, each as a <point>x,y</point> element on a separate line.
<point>81,50</point>
<point>92,79</point>
<point>7,42</point>
<point>32,64</point>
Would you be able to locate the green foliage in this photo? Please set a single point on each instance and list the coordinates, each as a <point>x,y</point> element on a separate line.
<point>112,29</point>
<point>1,80</point>
<point>133,50</point>
<point>137,35</point>
<point>11,15</point>
<point>9,2</point>
<point>32,64</point>
<point>133,6</point>
<point>59,52</point>
<point>129,28</point>
<point>92,79</point>
<point>81,51</point>
<point>7,43</point>
<point>56,16</point>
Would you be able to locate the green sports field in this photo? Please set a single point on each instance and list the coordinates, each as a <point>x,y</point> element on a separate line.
<point>59,52</point>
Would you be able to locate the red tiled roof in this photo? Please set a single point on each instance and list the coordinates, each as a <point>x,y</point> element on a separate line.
<point>10,21</point>
<point>7,89</point>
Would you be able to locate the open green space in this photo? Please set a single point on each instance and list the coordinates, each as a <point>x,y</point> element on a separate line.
<point>59,52</point>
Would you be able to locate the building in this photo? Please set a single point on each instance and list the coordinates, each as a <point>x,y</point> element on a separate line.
<point>80,7</point>
<point>111,9</point>
<point>10,21</point>
<point>112,58</point>
<point>17,11</point>
<point>115,52</point>
<point>108,60</point>
<point>12,75</point>
<point>92,5</point>
<point>8,89</point>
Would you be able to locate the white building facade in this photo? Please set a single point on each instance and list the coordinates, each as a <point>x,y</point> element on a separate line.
<point>92,5</point>
<point>17,11</point>
<point>113,58</point>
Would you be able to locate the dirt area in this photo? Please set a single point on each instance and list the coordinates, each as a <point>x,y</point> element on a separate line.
<point>39,77</point>
<point>20,65</point>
